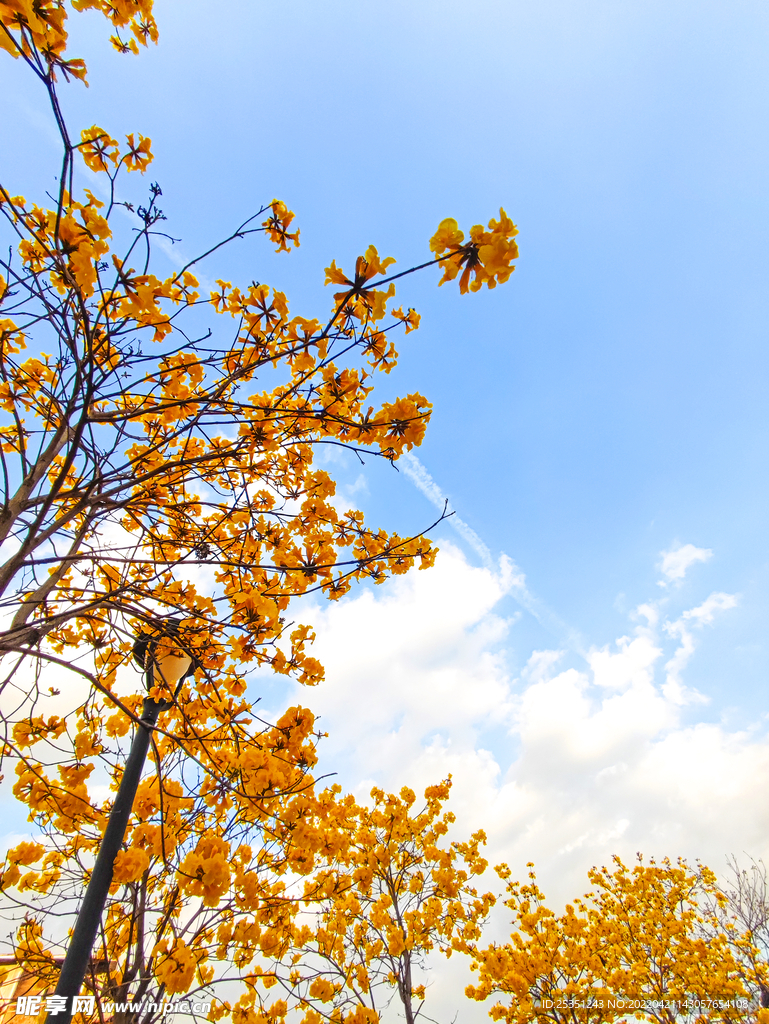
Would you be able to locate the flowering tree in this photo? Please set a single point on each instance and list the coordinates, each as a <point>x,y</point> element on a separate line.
<point>137,453</point>
<point>151,488</point>
<point>297,906</point>
<point>642,944</point>
<point>739,909</point>
<point>392,893</point>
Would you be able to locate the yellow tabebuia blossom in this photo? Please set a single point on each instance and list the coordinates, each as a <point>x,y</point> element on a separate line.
<point>175,966</point>
<point>25,853</point>
<point>139,155</point>
<point>98,149</point>
<point>277,225</point>
<point>448,236</point>
<point>32,730</point>
<point>205,871</point>
<point>485,259</point>
<point>39,26</point>
<point>130,865</point>
<point>410,319</point>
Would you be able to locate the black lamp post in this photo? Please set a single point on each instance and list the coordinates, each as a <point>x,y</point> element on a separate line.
<point>173,667</point>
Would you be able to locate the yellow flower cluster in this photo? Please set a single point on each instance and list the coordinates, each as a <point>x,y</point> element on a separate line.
<point>175,966</point>
<point>130,865</point>
<point>206,871</point>
<point>277,225</point>
<point>485,259</point>
<point>31,730</point>
<point>42,24</point>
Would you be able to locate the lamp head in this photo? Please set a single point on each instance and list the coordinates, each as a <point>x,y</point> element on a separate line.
<point>163,658</point>
<point>171,667</point>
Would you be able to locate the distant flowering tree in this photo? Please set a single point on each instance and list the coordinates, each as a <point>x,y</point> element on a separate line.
<point>392,892</point>
<point>151,486</point>
<point>646,943</point>
<point>739,910</point>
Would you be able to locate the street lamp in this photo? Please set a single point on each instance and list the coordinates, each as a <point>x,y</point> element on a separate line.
<point>164,661</point>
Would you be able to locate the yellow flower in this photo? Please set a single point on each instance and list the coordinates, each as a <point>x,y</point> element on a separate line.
<point>97,147</point>
<point>25,853</point>
<point>130,865</point>
<point>277,226</point>
<point>485,259</point>
<point>31,730</point>
<point>448,236</point>
<point>175,969</point>
<point>139,156</point>
<point>321,988</point>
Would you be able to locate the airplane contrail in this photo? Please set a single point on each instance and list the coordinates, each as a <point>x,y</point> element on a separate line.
<point>512,577</point>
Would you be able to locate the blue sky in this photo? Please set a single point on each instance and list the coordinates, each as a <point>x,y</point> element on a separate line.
<point>605,406</point>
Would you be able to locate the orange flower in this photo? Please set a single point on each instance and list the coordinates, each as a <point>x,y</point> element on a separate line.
<point>139,156</point>
<point>130,864</point>
<point>97,148</point>
<point>485,259</point>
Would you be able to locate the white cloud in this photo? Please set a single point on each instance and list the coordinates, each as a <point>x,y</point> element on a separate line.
<point>633,662</point>
<point>411,665</point>
<point>678,559</point>
<point>703,615</point>
<point>565,765</point>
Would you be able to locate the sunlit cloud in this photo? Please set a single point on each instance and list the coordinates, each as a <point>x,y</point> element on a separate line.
<point>564,762</point>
